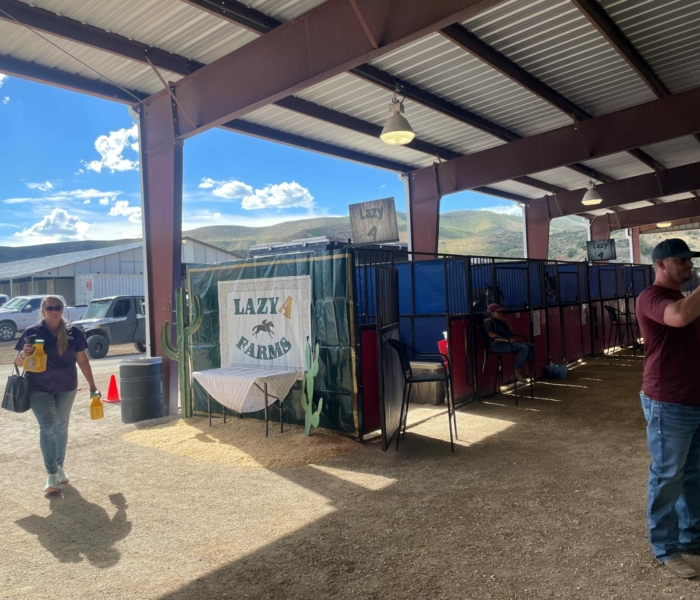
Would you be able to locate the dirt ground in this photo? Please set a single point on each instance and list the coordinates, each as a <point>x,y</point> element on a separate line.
<point>541,501</point>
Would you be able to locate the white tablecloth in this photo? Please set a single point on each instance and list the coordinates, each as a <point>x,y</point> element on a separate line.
<point>235,388</point>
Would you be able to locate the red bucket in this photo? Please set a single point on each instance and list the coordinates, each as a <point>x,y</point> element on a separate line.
<point>442,348</point>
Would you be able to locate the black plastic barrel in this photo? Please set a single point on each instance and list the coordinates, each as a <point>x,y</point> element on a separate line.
<point>141,381</point>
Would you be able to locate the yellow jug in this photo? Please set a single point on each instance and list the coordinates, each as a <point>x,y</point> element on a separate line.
<point>36,362</point>
<point>97,411</point>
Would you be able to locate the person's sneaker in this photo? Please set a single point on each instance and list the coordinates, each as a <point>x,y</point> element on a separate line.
<point>62,476</point>
<point>680,567</point>
<point>52,484</point>
<point>520,377</point>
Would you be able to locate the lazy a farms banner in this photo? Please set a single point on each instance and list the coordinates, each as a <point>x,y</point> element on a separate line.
<point>265,322</point>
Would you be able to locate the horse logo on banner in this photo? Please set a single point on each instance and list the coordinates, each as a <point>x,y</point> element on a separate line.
<point>265,322</point>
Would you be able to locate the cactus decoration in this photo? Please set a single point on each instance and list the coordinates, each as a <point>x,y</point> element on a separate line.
<point>307,390</point>
<point>181,352</point>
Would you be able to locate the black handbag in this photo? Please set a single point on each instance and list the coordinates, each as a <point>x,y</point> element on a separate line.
<point>16,398</point>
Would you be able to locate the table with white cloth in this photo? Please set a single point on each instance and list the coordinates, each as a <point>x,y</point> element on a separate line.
<point>246,388</point>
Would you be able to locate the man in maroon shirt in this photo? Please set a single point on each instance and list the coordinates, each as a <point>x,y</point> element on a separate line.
<point>670,325</point>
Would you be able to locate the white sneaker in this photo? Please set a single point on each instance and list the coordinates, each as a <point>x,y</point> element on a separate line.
<point>62,476</point>
<point>52,484</point>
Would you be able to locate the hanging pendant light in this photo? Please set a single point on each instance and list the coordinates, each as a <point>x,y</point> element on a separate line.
<point>397,130</point>
<point>592,196</point>
<point>664,224</point>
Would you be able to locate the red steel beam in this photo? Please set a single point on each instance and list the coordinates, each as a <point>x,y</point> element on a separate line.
<point>670,211</point>
<point>625,191</point>
<point>636,246</point>
<point>654,229</point>
<point>656,121</point>
<point>161,188</point>
<point>424,215</point>
<point>537,220</point>
<point>326,41</point>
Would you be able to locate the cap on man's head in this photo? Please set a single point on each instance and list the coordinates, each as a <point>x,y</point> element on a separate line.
<point>494,307</point>
<point>673,248</point>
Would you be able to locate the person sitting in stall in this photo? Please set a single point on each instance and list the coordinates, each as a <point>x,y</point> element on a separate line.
<point>501,337</point>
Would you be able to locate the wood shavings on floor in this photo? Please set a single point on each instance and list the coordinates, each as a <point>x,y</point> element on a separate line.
<point>242,443</point>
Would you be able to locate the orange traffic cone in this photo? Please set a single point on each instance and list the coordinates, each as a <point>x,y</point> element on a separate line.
<point>113,392</point>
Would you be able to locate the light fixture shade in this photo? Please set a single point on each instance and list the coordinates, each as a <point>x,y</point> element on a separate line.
<point>592,197</point>
<point>664,224</point>
<point>397,130</point>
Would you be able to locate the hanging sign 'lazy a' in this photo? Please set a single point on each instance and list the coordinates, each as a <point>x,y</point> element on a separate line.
<point>374,222</point>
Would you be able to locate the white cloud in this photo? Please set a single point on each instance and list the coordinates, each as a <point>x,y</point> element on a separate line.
<point>111,147</point>
<point>57,226</point>
<point>67,196</point>
<point>123,209</point>
<point>10,225</point>
<point>504,209</point>
<point>42,187</point>
<point>2,78</point>
<point>275,196</point>
<point>79,172</point>
<point>281,195</point>
<point>88,201</point>
<point>226,189</point>
<point>6,99</point>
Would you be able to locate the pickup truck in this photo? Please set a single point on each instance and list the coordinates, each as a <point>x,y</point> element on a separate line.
<point>114,320</point>
<point>23,311</point>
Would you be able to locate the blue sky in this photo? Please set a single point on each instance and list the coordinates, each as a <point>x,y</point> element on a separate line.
<point>69,171</point>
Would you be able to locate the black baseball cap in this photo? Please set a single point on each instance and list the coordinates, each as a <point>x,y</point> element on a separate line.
<point>673,248</point>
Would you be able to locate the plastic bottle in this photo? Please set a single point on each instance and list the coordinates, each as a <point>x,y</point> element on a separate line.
<point>97,411</point>
<point>36,362</point>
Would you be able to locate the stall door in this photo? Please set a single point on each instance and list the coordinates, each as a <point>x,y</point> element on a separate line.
<point>390,372</point>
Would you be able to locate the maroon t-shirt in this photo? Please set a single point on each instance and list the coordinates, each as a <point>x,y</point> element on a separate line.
<point>672,354</point>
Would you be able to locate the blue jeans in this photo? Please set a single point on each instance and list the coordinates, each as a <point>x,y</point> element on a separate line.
<point>52,411</point>
<point>673,502</point>
<point>522,349</point>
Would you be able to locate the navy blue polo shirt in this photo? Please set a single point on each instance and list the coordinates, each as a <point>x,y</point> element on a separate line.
<point>61,374</point>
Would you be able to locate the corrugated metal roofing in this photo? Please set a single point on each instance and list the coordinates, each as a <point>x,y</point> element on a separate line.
<point>563,177</point>
<point>619,166</point>
<point>24,268</point>
<point>292,122</point>
<point>666,33</point>
<point>675,153</point>
<point>166,24</point>
<point>353,96</point>
<point>439,66</point>
<point>283,10</point>
<point>553,41</point>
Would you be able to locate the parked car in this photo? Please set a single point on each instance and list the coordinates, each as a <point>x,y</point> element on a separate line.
<point>114,320</point>
<point>23,311</point>
<point>4,299</point>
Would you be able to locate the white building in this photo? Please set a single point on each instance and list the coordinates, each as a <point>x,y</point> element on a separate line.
<point>80,276</point>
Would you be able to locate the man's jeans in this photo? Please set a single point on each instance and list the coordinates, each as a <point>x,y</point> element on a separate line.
<point>522,349</point>
<point>52,411</point>
<point>673,503</point>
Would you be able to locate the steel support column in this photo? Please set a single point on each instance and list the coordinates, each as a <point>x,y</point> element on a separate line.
<point>635,246</point>
<point>424,215</point>
<point>536,225</point>
<point>161,193</point>
<point>599,228</point>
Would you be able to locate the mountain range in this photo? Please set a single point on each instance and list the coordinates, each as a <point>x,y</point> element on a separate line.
<point>468,232</point>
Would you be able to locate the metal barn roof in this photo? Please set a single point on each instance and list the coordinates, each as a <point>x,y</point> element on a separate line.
<point>460,102</point>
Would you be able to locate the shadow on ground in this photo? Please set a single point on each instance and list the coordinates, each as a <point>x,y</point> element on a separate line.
<point>77,529</point>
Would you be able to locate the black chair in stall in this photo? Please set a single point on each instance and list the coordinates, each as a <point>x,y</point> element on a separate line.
<point>409,379</point>
<point>626,329</point>
<point>498,380</point>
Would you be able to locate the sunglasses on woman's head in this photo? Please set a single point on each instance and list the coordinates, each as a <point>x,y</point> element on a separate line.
<point>53,308</point>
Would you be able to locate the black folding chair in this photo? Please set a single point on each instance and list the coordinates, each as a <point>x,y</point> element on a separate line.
<point>625,326</point>
<point>498,380</point>
<point>409,379</point>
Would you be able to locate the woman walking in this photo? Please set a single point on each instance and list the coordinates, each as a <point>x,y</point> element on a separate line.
<point>52,391</point>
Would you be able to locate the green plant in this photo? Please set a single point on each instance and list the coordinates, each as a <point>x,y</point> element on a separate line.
<point>181,351</point>
<point>307,390</point>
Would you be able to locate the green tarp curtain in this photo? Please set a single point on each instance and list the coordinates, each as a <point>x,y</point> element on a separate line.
<point>333,327</point>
